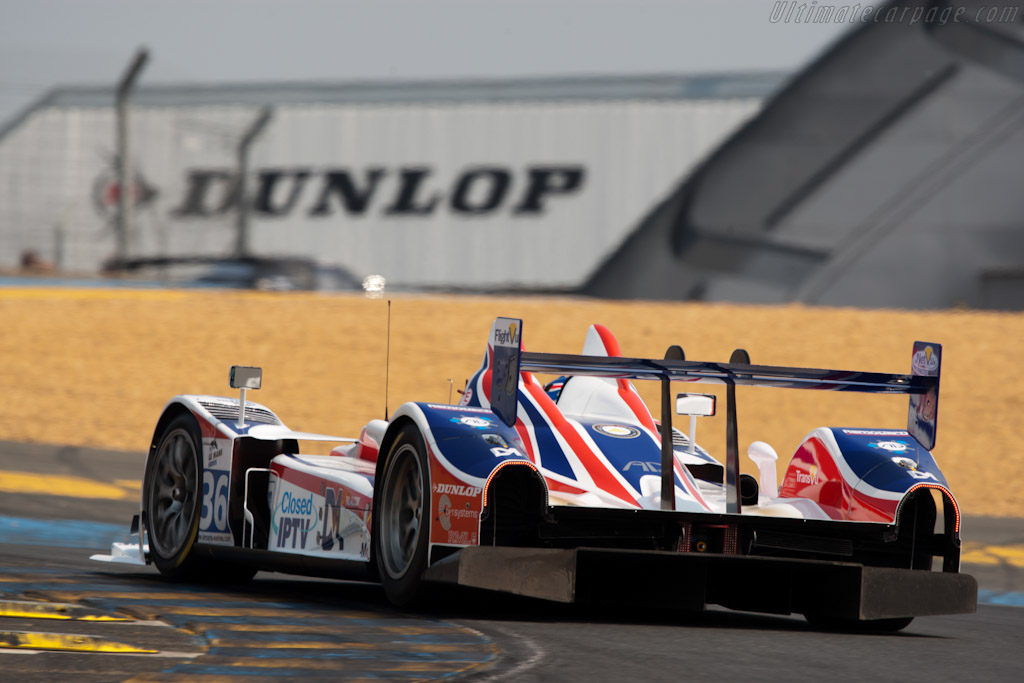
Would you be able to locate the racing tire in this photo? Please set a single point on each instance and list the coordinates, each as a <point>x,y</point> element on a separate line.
<point>172,498</point>
<point>858,626</point>
<point>401,520</point>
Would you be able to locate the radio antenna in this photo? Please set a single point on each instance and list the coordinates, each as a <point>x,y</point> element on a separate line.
<point>387,364</point>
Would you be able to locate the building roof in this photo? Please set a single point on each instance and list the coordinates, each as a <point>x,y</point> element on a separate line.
<point>758,85</point>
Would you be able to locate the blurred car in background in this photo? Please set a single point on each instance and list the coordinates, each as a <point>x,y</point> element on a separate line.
<point>279,274</point>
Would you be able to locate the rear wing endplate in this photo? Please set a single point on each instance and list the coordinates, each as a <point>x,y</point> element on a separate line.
<point>506,341</point>
<point>922,419</point>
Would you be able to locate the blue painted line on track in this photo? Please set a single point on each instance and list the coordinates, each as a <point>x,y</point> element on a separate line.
<point>63,533</point>
<point>300,673</point>
<point>987,597</point>
<point>184,601</point>
<point>35,570</point>
<point>186,619</point>
<point>390,655</point>
<point>11,586</point>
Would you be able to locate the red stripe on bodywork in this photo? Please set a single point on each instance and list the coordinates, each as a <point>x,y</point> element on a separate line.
<point>693,491</point>
<point>524,436</point>
<point>828,488</point>
<point>485,379</point>
<point>562,487</point>
<point>611,344</point>
<point>626,390</point>
<point>865,508</point>
<point>315,485</point>
<point>636,404</point>
<point>595,468</point>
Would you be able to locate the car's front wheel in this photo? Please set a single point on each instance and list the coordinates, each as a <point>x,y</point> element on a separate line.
<point>402,519</point>
<point>171,497</point>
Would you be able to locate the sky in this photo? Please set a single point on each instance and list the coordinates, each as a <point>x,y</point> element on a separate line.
<point>50,43</point>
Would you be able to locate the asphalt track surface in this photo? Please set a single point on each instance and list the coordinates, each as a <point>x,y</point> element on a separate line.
<point>58,611</point>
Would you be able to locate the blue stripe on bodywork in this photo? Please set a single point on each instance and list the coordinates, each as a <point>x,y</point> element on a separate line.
<point>871,457</point>
<point>550,454</point>
<point>632,457</point>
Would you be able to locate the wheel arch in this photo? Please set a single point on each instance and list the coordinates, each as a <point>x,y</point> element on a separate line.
<point>172,411</point>
<point>393,429</point>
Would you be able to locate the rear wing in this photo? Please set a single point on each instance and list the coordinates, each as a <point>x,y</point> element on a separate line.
<point>922,386</point>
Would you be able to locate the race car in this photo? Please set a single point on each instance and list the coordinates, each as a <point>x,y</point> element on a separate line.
<point>571,491</point>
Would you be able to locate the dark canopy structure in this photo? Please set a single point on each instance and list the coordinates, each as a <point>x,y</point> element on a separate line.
<point>886,174</point>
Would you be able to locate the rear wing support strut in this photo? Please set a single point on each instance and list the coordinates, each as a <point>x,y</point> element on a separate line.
<point>922,386</point>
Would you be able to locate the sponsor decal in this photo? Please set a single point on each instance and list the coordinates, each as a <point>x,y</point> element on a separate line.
<point>405,191</point>
<point>339,521</point>
<point>462,538</point>
<point>213,512</point>
<point>444,506</point>
<point>510,452</point>
<point>293,531</point>
<point>891,446</point>
<point>293,505</point>
<point>458,490</point>
<point>474,421</point>
<point>459,409</point>
<point>506,335</point>
<point>454,508</point>
<point>617,431</point>
<point>645,466</point>
<point>875,432</point>
<point>925,362</point>
<point>446,512</point>
<point>911,468</point>
<point>106,191</point>
<point>294,518</point>
<point>213,452</point>
<point>808,478</point>
<point>216,538</point>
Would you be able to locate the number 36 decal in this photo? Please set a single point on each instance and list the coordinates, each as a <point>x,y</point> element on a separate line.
<point>214,516</point>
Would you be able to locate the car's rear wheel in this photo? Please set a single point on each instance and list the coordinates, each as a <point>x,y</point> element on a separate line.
<point>401,520</point>
<point>171,497</point>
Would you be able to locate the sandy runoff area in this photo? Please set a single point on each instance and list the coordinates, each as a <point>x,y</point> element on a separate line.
<point>95,367</point>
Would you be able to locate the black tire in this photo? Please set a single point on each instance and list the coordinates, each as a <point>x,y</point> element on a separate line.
<point>401,519</point>
<point>172,498</point>
<point>856,626</point>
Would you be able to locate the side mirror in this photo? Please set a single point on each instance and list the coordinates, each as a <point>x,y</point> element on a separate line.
<point>695,404</point>
<point>243,377</point>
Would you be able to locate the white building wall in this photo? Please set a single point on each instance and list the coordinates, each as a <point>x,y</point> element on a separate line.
<point>56,171</point>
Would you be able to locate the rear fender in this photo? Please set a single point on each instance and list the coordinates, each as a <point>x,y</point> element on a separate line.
<point>860,474</point>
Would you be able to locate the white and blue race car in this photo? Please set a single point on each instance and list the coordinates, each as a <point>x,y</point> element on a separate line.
<point>557,490</point>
